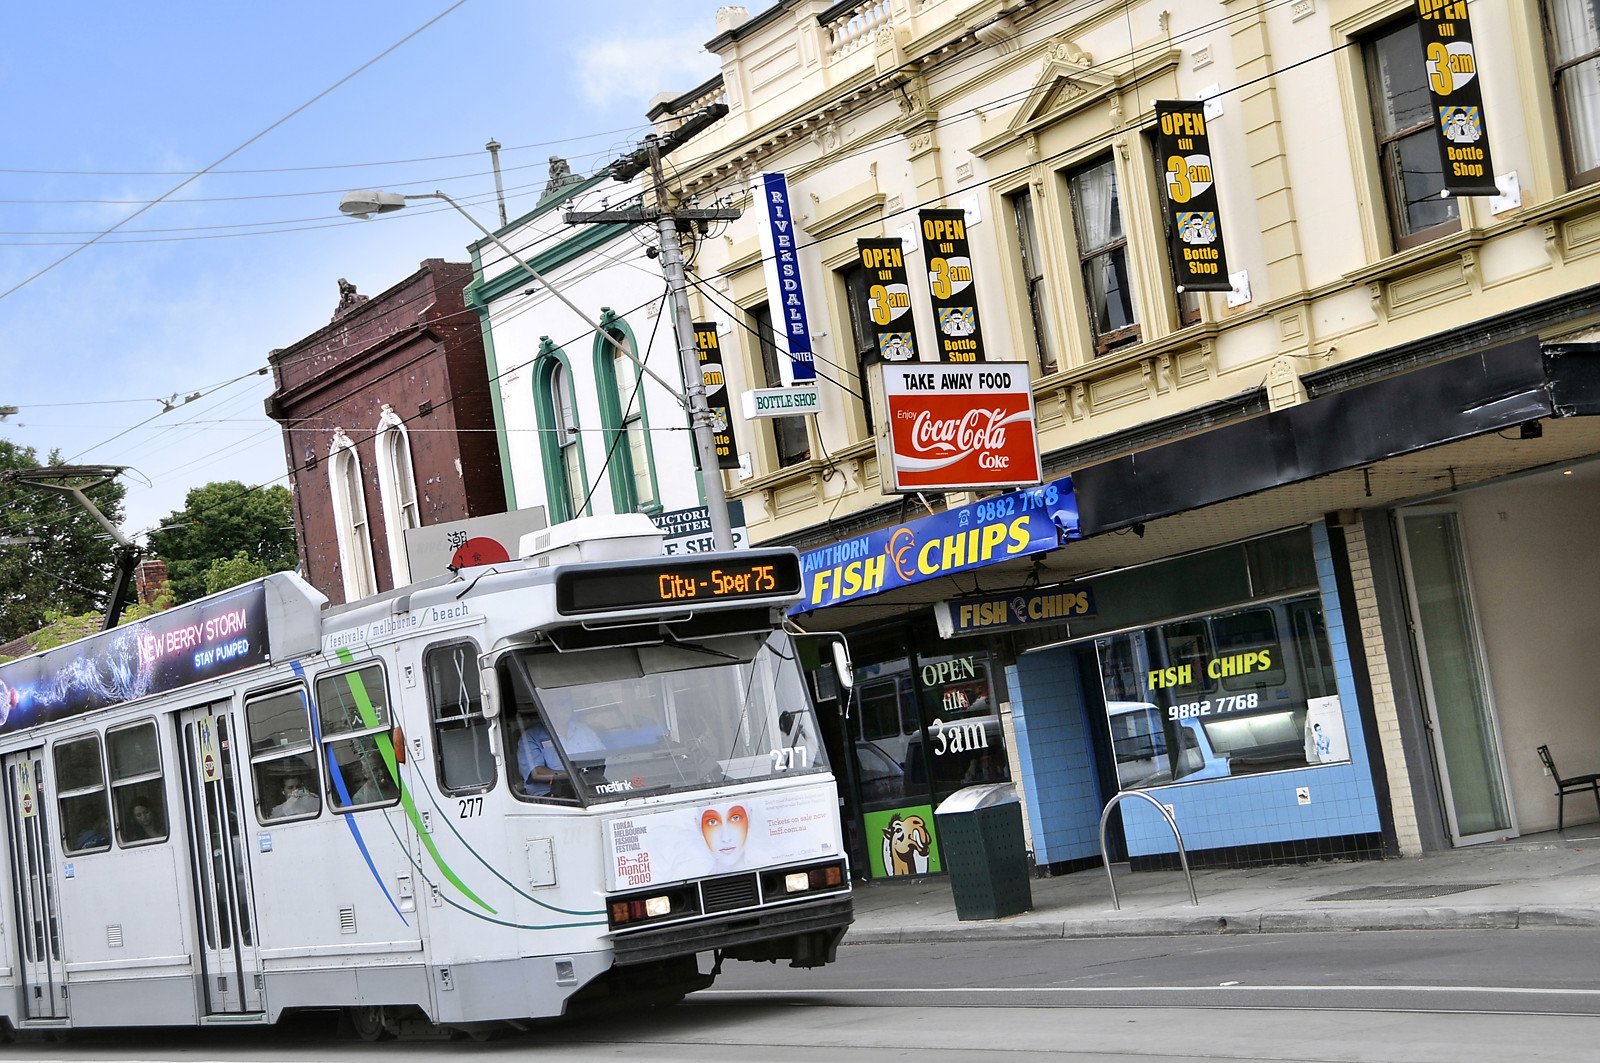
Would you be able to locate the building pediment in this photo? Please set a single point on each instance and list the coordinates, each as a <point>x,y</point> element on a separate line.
<point>1067,80</point>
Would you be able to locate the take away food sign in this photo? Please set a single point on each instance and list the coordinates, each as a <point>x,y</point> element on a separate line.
<point>959,427</point>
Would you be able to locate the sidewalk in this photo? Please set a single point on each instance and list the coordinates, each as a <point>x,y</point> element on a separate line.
<point>1542,880</point>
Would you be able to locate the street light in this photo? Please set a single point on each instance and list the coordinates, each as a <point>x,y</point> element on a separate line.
<point>367,202</point>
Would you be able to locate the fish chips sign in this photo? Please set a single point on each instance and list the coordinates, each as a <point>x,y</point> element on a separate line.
<point>954,427</point>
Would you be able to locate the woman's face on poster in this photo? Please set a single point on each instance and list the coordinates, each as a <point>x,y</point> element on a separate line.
<point>725,831</point>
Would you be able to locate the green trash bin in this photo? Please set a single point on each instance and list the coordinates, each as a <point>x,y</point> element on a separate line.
<point>981,844</point>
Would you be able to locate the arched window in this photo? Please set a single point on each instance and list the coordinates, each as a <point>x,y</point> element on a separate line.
<point>620,382</point>
<point>397,488</point>
<point>350,519</point>
<point>560,444</point>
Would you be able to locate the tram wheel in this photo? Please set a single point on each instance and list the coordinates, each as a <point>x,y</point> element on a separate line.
<point>368,1023</point>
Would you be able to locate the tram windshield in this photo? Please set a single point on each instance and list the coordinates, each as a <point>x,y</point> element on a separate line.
<point>619,722</point>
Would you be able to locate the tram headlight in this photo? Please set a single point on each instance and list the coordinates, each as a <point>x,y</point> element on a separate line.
<point>651,907</point>
<point>787,883</point>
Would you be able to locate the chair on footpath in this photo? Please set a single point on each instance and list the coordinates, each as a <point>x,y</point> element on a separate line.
<point>1577,784</point>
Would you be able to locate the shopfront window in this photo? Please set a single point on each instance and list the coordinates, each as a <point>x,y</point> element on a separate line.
<point>1233,693</point>
<point>923,727</point>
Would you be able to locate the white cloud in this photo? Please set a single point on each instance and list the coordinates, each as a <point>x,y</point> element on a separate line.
<point>630,71</point>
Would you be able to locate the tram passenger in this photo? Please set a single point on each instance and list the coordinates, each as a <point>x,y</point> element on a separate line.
<point>96,834</point>
<point>364,788</point>
<point>141,824</point>
<point>543,774</point>
<point>297,798</point>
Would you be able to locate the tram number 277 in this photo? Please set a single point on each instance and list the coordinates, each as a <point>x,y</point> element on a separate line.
<point>791,758</point>
<point>470,807</point>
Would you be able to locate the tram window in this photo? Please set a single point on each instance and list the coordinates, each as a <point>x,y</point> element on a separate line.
<point>353,709</point>
<point>1188,646</point>
<point>81,793</point>
<point>461,734</point>
<point>283,761</point>
<point>137,795</point>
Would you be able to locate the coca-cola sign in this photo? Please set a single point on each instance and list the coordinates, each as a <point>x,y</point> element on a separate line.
<point>955,428</point>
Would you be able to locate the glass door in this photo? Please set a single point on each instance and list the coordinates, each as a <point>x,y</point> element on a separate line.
<point>38,905</point>
<point>1465,735</point>
<point>230,968</point>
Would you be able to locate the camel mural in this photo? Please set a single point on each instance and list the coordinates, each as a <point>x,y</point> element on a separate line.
<point>905,845</point>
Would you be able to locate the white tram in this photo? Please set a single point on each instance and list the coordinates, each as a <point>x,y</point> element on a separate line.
<point>574,779</point>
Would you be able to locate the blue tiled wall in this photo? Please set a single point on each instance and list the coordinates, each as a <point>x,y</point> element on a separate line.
<point>1058,771</point>
<point>1057,756</point>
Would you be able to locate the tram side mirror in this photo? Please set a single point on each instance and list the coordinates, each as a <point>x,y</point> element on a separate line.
<point>841,664</point>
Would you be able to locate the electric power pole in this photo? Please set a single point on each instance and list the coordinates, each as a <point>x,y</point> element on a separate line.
<point>671,253</point>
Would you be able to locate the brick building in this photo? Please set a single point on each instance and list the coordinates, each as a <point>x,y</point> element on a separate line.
<point>386,425</point>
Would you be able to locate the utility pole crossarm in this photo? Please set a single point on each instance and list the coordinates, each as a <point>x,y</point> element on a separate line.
<point>631,217</point>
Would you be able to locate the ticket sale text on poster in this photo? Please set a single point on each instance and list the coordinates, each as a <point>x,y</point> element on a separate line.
<point>716,837</point>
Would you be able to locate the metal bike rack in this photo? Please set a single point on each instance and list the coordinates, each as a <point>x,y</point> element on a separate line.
<point>1105,857</point>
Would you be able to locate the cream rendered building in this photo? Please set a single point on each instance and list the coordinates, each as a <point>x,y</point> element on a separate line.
<point>1370,458</point>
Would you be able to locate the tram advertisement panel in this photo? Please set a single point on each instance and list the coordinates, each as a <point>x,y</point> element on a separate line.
<point>1199,263</point>
<point>737,834</point>
<point>191,643</point>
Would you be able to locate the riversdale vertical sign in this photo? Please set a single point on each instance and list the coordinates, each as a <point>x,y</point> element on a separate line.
<point>785,290</point>
<point>888,298</point>
<point>1199,263</point>
<point>955,298</point>
<point>709,352</point>
<point>1452,69</point>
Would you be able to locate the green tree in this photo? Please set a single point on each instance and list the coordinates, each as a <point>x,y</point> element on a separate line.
<point>228,572</point>
<point>218,522</point>
<point>54,557</point>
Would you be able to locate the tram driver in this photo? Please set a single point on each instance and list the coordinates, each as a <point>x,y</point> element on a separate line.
<point>542,773</point>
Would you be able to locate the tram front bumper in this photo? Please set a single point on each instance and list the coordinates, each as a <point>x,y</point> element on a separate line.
<point>807,934</point>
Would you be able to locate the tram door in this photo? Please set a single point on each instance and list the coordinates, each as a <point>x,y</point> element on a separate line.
<point>230,969</point>
<point>38,904</point>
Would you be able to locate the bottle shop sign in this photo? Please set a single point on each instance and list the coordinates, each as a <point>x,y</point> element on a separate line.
<point>1457,97</point>
<point>1199,261</point>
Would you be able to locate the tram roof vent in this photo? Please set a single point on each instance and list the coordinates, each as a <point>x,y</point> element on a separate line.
<point>611,538</point>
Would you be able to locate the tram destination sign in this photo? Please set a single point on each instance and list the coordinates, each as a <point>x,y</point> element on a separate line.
<point>765,576</point>
<point>191,643</point>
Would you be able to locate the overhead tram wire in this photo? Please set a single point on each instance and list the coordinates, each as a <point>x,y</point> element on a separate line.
<point>945,121</point>
<point>620,431</point>
<point>1131,126</point>
<point>321,166</point>
<point>1106,137</point>
<point>737,314</point>
<point>367,437</point>
<point>195,177</point>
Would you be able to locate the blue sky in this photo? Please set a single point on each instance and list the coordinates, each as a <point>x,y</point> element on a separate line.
<point>192,295</point>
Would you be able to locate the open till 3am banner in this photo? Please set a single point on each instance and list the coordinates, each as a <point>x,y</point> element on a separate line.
<point>1199,263</point>
<point>955,299</point>
<point>1452,68</point>
<point>709,351</point>
<point>888,299</point>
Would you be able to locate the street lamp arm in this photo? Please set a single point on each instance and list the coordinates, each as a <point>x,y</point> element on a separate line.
<point>605,333</point>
